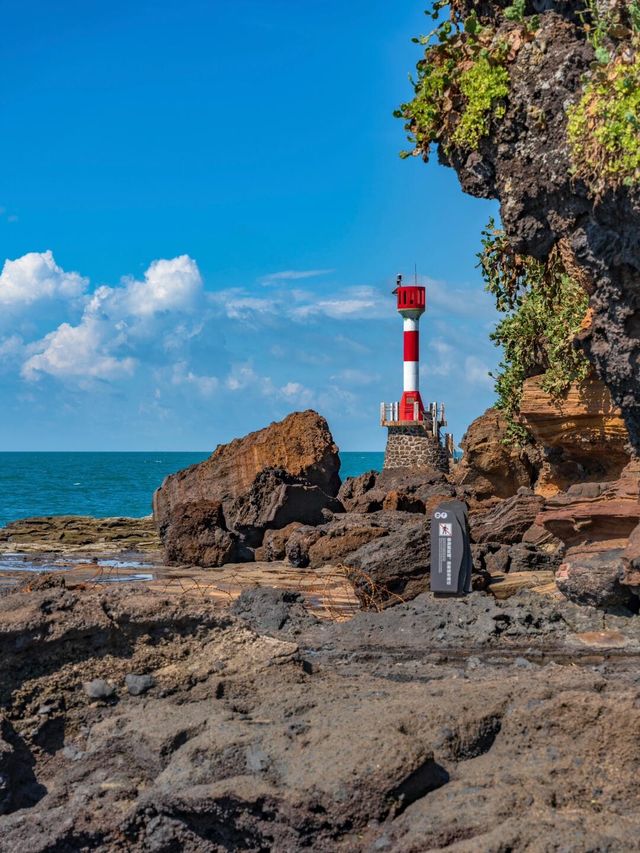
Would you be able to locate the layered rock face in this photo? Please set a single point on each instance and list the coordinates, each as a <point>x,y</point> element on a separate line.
<point>490,467</point>
<point>583,437</point>
<point>598,522</point>
<point>525,164</point>
<point>218,510</point>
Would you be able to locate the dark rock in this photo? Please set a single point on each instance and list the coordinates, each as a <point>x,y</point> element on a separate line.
<point>508,521</point>
<point>595,580</point>
<point>393,568</point>
<point>275,500</point>
<point>269,611</point>
<point>525,163</point>
<point>99,689</point>
<point>525,557</point>
<point>138,684</point>
<point>298,544</point>
<point>394,489</point>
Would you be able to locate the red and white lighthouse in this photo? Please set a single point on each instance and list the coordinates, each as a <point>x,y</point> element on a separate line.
<point>414,438</point>
<point>411,305</point>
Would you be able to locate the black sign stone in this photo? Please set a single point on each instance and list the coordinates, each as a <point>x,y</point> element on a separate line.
<point>450,549</point>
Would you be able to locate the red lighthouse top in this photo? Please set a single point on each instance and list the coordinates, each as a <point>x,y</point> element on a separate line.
<point>411,299</point>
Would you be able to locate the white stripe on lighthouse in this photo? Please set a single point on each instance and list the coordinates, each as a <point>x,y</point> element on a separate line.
<point>411,368</point>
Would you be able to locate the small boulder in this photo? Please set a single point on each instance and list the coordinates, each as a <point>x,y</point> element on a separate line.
<point>595,580</point>
<point>198,536</point>
<point>274,543</point>
<point>138,684</point>
<point>391,569</point>
<point>99,689</point>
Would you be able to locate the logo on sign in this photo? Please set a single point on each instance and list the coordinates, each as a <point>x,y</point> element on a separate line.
<point>446,529</point>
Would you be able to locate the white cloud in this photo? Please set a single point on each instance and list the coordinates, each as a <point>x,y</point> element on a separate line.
<point>169,285</point>
<point>117,320</point>
<point>293,275</point>
<point>35,277</point>
<point>476,371</point>
<point>76,351</point>
<point>357,302</point>
<point>182,375</point>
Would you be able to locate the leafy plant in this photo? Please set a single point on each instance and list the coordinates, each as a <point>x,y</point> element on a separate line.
<point>604,126</point>
<point>515,12</point>
<point>544,308</point>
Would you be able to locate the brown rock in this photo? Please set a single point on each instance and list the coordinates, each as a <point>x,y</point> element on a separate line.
<point>401,502</point>
<point>598,523</point>
<point>595,516</point>
<point>584,434</point>
<point>508,521</point>
<point>275,542</point>
<point>286,472</point>
<point>338,542</point>
<point>331,543</point>
<point>490,467</point>
<point>198,536</point>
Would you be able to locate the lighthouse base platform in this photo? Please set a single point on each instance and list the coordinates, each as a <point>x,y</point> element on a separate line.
<point>413,445</point>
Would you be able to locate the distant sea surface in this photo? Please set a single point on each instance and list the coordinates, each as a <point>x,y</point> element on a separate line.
<point>105,484</point>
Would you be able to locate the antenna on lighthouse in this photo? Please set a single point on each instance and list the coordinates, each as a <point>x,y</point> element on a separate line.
<point>415,274</point>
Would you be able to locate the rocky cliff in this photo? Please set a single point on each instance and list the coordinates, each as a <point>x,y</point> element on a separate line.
<point>532,104</point>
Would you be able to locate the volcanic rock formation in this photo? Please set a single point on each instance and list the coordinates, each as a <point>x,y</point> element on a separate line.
<point>270,731</point>
<point>219,509</point>
<point>525,163</point>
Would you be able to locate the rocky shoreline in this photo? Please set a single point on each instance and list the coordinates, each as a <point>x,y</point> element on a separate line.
<point>312,694</point>
<point>136,722</point>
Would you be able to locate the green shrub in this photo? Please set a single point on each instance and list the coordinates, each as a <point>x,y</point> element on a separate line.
<point>544,308</point>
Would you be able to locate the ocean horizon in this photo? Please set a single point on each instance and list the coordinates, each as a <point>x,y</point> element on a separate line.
<point>105,484</point>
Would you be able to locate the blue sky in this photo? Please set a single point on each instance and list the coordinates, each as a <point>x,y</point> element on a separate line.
<point>203,212</point>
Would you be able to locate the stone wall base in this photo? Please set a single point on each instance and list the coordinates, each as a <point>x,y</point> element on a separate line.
<point>413,446</point>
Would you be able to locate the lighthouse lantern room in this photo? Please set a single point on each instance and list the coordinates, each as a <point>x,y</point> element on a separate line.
<point>414,438</point>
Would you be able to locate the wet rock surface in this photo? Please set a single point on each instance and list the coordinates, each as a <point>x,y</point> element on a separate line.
<point>470,724</point>
<point>70,532</point>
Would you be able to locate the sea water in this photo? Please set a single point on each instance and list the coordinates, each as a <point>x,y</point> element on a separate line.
<point>105,484</point>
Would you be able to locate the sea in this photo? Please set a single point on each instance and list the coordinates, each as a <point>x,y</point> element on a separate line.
<point>105,484</point>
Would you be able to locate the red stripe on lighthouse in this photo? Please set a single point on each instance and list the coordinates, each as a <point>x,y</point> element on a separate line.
<point>411,346</point>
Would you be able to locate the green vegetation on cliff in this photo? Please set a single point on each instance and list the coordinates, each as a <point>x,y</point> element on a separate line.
<point>604,126</point>
<point>461,86</point>
<point>544,308</point>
